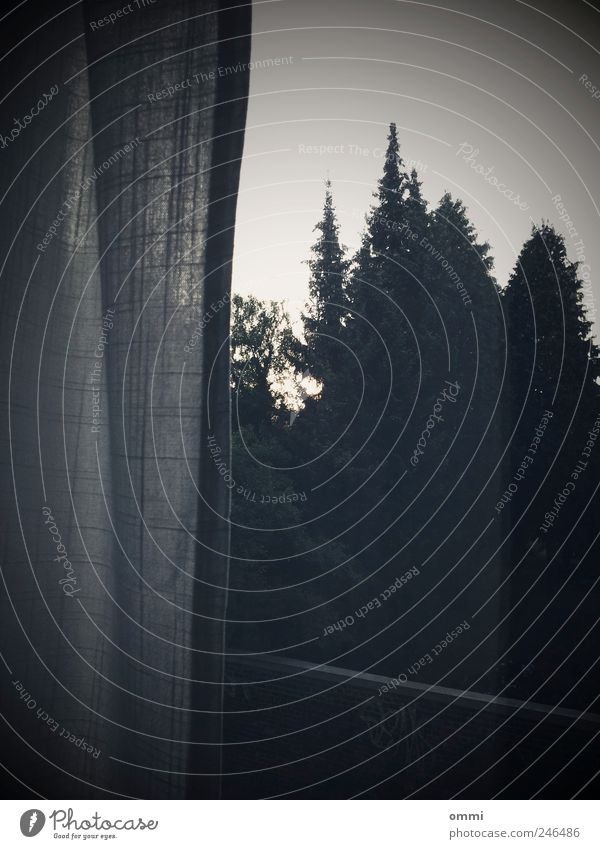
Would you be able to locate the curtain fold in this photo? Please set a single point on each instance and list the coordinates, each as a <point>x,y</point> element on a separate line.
<point>117,213</point>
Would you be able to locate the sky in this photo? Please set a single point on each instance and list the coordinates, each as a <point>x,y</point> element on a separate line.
<point>512,87</point>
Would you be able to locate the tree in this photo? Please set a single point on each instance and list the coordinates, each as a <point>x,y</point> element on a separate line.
<point>553,361</point>
<point>380,291</point>
<point>552,351</point>
<point>265,352</point>
<point>554,367</point>
<point>329,358</point>
<point>318,433</point>
<point>327,311</point>
<point>385,237</point>
<point>391,317</point>
<point>458,271</point>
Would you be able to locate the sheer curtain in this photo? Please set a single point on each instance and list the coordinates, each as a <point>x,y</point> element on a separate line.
<point>121,144</point>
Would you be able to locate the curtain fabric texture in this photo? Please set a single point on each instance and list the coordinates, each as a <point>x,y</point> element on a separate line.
<point>117,206</point>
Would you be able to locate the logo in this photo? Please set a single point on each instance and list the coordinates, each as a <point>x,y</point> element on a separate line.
<point>32,822</point>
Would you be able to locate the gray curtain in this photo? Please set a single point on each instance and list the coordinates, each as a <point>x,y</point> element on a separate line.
<point>117,212</point>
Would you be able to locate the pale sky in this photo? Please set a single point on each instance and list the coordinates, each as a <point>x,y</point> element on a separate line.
<point>469,75</point>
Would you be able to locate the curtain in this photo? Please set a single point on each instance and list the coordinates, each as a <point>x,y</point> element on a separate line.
<point>121,143</point>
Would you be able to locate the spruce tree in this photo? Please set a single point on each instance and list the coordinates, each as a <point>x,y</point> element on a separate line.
<point>385,224</point>
<point>554,367</point>
<point>553,361</point>
<point>459,277</point>
<point>378,275</point>
<point>327,310</point>
<point>388,331</point>
<point>465,340</point>
<point>393,312</point>
<point>319,428</point>
<point>549,327</point>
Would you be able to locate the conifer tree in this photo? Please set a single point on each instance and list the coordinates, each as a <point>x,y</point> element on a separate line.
<point>389,295</point>
<point>459,277</point>
<point>377,269</point>
<point>549,327</point>
<point>554,398</point>
<point>326,413</point>
<point>553,359</point>
<point>327,310</point>
<point>387,334</point>
<point>417,218</point>
<point>466,348</point>
<point>385,224</point>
